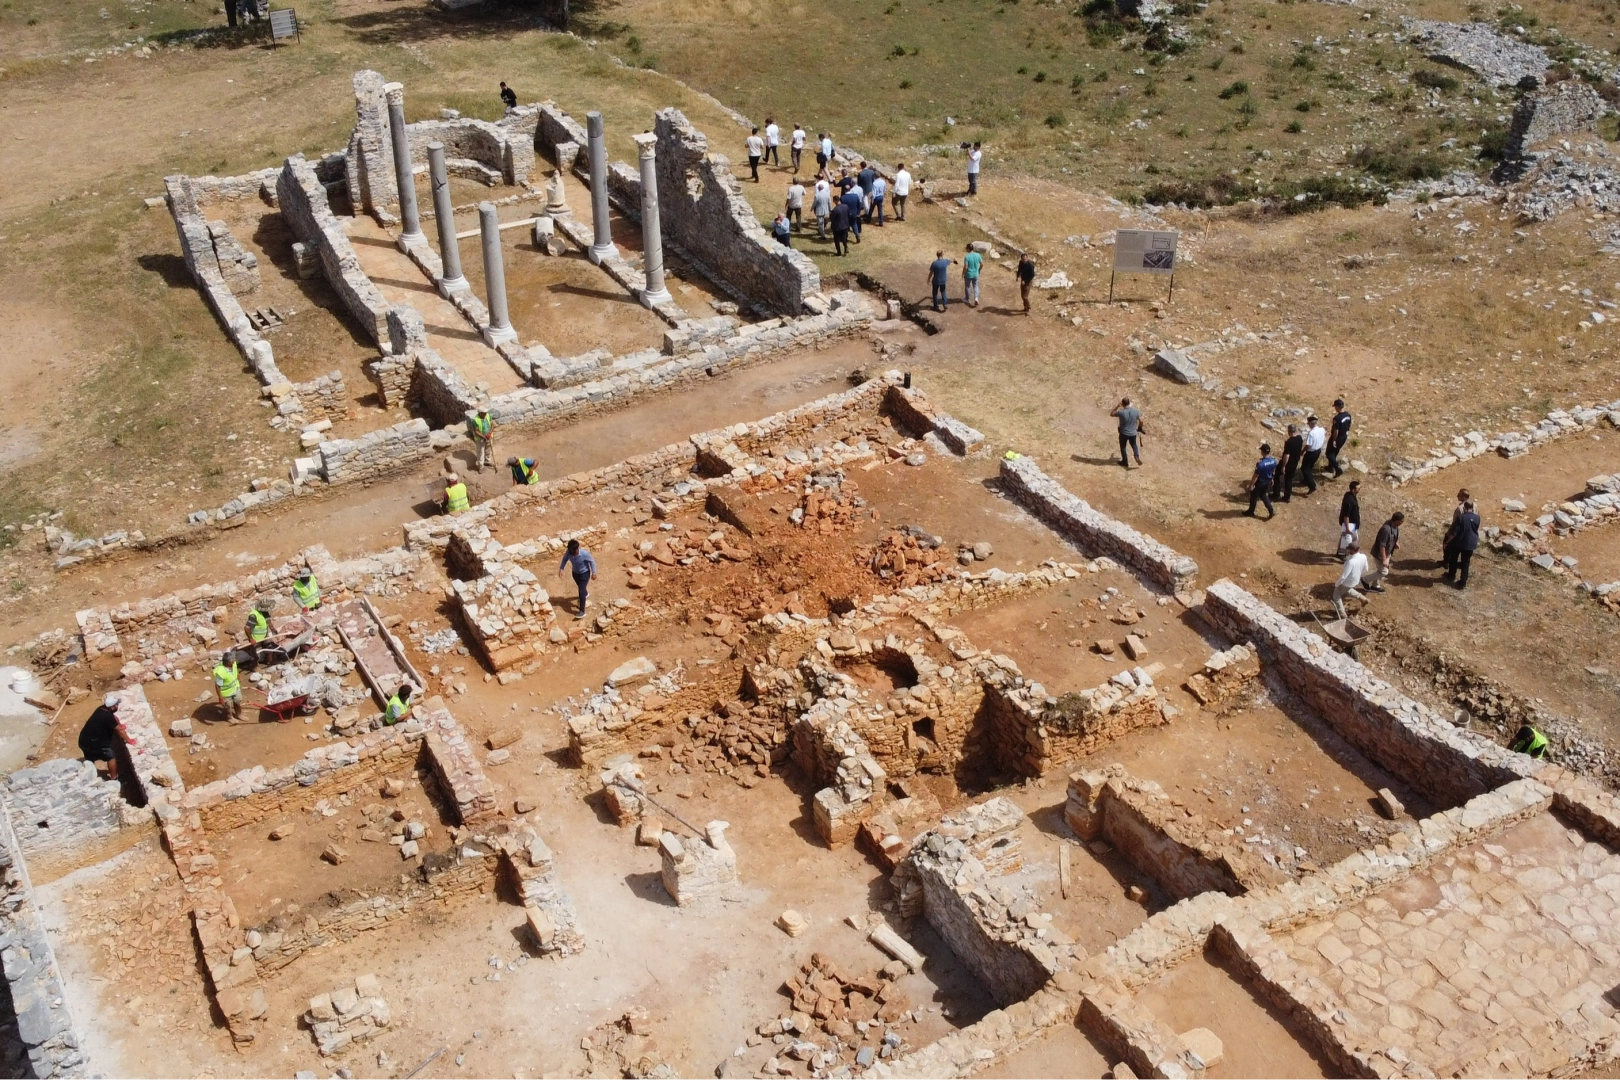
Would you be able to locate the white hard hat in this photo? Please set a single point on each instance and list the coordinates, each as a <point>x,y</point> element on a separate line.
<point>451,478</point>
<point>111,701</point>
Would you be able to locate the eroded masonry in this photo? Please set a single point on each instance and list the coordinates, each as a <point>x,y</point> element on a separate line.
<point>911,759</point>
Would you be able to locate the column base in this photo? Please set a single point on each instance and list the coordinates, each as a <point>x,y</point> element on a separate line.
<point>406,241</point>
<point>653,299</point>
<point>498,335</point>
<point>597,252</point>
<point>449,287</point>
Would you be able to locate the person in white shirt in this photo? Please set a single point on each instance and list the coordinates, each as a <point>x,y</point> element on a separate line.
<point>824,155</point>
<point>902,188</point>
<point>773,139</point>
<point>756,150</point>
<point>975,156</point>
<point>795,204</point>
<point>1355,566</point>
<point>1315,439</point>
<point>796,144</point>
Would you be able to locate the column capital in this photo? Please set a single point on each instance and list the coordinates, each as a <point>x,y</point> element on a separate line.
<point>647,143</point>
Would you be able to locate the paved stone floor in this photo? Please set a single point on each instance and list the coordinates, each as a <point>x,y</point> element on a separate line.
<point>1500,960</point>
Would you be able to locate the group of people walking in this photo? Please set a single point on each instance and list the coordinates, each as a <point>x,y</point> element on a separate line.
<point>842,206</point>
<point>1276,478</point>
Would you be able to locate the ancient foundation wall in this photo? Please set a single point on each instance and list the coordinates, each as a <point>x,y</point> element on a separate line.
<point>303,203</point>
<point>1560,109</point>
<point>703,213</point>
<point>375,453</point>
<point>369,161</point>
<point>1449,764</point>
<point>476,149</point>
<point>44,1022</point>
<point>1093,532</point>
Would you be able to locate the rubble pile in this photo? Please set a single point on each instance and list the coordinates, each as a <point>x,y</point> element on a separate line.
<point>888,833</point>
<point>347,1015</point>
<point>908,557</point>
<point>1496,58</point>
<point>1225,674</point>
<point>838,1021</point>
<point>623,1047</point>
<point>732,740</point>
<point>1555,181</point>
<point>600,726</point>
<point>829,504</point>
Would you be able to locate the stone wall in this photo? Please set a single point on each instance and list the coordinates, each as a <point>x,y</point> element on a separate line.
<point>1498,59</point>
<point>44,1022</point>
<point>1174,846</point>
<point>703,213</point>
<point>500,153</point>
<point>369,163</point>
<point>1031,733</point>
<point>376,453</point>
<point>1450,765</point>
<point>63,814</point>
<point>953,871</point>
<point>556,128</point>
<point>917,416</point>
<point>257,794</point>
<point>1561,109</point>
<point>529,865</point>
<point>304,205</point>
<point>1093,532</point>
<point>696,871</point>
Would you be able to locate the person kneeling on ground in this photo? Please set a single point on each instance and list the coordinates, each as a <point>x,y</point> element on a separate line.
<point>1527,740</point>
<point>455,495</point>
<point>97,739</point>
<point>584,568</point>
<point>1355,566</point>
<point>399,706</point>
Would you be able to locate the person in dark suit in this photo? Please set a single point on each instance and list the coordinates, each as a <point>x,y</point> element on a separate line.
<point>1293,447</point>
<point>1461,541</point>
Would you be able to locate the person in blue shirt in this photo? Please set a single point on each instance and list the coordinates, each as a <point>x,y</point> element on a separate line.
<point>972,263</point>
<point>939,276</point>
<point>584,569</point>
<point>1265,472</point>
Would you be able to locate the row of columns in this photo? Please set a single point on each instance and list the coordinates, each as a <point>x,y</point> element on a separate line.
<point>451,279</point>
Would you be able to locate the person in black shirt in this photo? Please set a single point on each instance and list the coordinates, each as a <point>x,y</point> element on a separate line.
<point>98,739</point>
<point>1338,435</point>
<point>1461,541</point>
<point>1026,278</point>
<point>1350,518</point>
<point>1385,544</point>
<point>1293,447</point>
<point>508,96</point>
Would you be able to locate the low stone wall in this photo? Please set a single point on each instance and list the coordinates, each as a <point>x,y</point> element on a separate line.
<point>916,415</point>
<point>455,763</point>
<point>1032,733</point>
<point>375,453</point>
<point>63,814</point>
<point>34,983</point>
<point>1561,109</point>
<point>607,722</point>
<point>952,871</point>
<point>258,794</point>
<point>1448,764</point>
<point>506,153</point>
<point>702,212</point>
<point>1094,532</point>
<point>1508,444</point>
<point>303,203</point>
<point>1170,843</point>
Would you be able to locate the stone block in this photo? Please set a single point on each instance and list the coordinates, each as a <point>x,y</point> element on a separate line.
<point>1204,1046</point>
<point>1177,365</point>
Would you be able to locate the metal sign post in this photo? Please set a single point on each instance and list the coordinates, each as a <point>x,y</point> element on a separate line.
<point>1144,251</point>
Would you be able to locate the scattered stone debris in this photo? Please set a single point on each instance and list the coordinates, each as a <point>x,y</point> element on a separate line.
<point>347,1015</point>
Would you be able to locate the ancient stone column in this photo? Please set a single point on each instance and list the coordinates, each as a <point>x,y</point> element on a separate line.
<point>652,241</point>
<point>412,230</point>
<point>500,323</point>
<point>603,247</point>
<point>449,250</point>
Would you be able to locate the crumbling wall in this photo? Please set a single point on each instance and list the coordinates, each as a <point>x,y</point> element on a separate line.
<point>1031,733</point>
<point>555,128</point>
<point>376,452</point>
<point>1093,532</point>
<point>62,813</point>
<point>918,416</point>
<point>1180,850</point>
<point>369,163</point>
<point>951,874</point>
<point>1225,674</point>
<point>702,212</point>
<point>303,203</point>
<point>831,753</point>
<point>476,149</point>
<point>45,1024</point>
<point>1451,765</point>
<point>695,871</point>
<point>1560,109</point>
<point>529,865</point>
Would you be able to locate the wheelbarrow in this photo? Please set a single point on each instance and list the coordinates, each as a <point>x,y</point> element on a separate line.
<point>1343,634</point>
<point>272,652</point>
<point>291,699</point>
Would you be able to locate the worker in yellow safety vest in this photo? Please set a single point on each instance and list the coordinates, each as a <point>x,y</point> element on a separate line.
<point>399,706</point>
<point>307,591</point>
<point>482,429</point>
<point>228,688</point>
<point>525,471</point>
<point>455,495</point>
<point>258,623</point>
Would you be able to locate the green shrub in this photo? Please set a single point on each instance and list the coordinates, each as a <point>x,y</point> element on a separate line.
<point>1232,91</point>
<point>1434,80</point>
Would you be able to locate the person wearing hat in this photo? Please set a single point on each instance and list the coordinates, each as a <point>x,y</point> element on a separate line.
<point>455,495</point>
<point>258,622</point>
<point>399,706</point>
<point>98,738</point>
<point>525,471</point>
<point>307,591</point>
<point>482,429</point>
<point>228,687</point>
